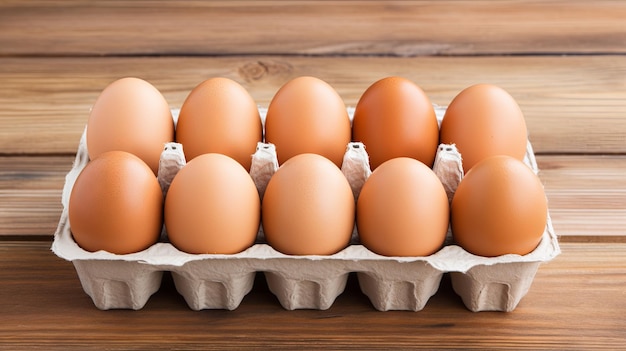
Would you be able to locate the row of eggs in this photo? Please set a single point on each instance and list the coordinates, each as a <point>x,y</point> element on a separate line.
<point>393,118</point>
<point>213,206</point>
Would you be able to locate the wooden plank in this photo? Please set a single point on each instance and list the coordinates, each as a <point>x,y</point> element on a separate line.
<point>575,303</point>
<point>587,195</point>
<point>30,194</point>
<point>572,104</point>
<point>402,28</point>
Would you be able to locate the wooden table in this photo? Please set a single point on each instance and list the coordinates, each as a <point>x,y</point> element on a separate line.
<point>563,61</point>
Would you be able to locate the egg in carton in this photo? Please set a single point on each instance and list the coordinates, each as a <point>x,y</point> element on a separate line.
<point>302,282</point>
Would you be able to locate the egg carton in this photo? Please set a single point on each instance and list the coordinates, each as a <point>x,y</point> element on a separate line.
<point>302,282</point>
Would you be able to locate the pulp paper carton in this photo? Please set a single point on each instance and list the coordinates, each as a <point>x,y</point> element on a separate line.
<point>301,282</point>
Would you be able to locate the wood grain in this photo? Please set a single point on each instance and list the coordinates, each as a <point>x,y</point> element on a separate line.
<point>571,104</point>
<point>586,196</point>
<point>567,307</point>
<point>398,28</point>
<point>30,194</point>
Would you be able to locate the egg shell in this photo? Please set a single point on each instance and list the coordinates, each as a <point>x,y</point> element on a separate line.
<point>307,115</point>
<point>212,206</point>
<point>499,208</point>
<point>403,209</point>
<point>116,204</point>
<point>395,118</point>
<point>220,116</point>
<point>131,115</point>
<point>308,207</point>
<point>484,120</point>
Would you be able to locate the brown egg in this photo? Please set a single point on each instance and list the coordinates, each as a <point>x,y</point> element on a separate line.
<point>130,115</point>
<point>395,118</point>
<point>212,207</point>
<point>219,116</point>
<point>308,207</point>
<point>307,115</point>
<point>499,208</point>
<point>402,209</point>
<point>484,120</point>
<point>116,205</point>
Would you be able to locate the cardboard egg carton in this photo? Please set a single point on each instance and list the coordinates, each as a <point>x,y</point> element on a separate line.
<point>300,282</point>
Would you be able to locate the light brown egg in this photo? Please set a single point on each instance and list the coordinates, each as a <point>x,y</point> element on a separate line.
<point>395,118</point>
<point>484,120</point>
<point>130,115</point>
<point>116,205</point>
<point>212,207</point>
<point>308,207</point>
<point>307,115</point>
<point>499,208</point>
<point>219,116</point>
<point>402,209</point>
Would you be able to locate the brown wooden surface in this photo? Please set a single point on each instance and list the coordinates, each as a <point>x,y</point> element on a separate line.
<point>403,28</point>
<point>576,302</point>
<point>571,104</point>
<point>563,61</point>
